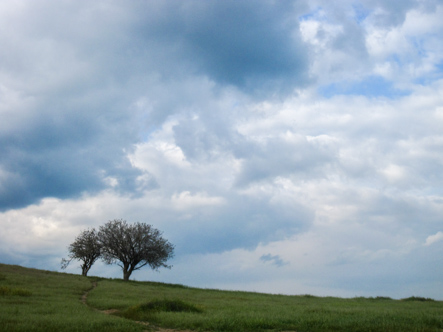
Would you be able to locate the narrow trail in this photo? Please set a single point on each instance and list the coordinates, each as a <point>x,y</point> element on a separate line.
<point>112,311</point>
<point>85,295</point>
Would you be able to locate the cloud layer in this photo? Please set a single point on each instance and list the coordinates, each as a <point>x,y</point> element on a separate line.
<point>290,147</point>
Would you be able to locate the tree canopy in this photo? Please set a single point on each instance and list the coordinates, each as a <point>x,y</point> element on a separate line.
<point>133,246</point>
<point>85,248</point>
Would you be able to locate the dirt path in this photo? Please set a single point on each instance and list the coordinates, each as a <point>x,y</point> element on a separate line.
<point>112,311</point>
<point>85,295</point>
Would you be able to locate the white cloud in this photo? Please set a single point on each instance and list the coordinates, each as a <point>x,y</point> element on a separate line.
<point>431,239</point>
<point>408,50</point>
<point>185,200</point>
<point>394,173</point>
<point>381,42</point>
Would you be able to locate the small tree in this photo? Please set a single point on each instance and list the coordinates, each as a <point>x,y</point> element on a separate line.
<point>85,248</point>
<point>132,246</point>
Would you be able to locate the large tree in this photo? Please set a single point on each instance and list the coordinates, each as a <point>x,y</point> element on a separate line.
<point>85,248</point>
<point>132,246</point>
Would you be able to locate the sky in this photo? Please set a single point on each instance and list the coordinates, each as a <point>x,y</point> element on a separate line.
<point>289,147</point>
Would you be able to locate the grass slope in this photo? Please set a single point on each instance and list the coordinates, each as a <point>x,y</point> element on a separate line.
<point>34,300</point>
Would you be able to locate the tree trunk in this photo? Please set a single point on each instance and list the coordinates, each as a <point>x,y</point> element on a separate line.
<point>126,274</point>
<point>85,270</point>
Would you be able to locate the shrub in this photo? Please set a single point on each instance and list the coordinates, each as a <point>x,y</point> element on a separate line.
<point>309,296</point>
<point>418,298</point>
<point>146,311</point>
<point>169,305</point>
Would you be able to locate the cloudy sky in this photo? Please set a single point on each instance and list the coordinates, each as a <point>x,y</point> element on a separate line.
<point>283,146</point>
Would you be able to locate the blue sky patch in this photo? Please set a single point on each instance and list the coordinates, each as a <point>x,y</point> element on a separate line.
<point>372,86</point>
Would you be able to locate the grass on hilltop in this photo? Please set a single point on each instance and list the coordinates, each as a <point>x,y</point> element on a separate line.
<point>35,300</point>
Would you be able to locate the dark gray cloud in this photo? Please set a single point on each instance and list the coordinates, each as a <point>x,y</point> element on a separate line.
<point>248,45</point>
<point>66,147</point>
<point>77,70</point>
<point>67,119</point>
<point>253,46</point>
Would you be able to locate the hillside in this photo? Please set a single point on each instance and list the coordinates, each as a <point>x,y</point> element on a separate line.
<point>36,300</point>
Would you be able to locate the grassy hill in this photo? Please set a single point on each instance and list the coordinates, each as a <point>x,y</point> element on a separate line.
<point>36,300</point>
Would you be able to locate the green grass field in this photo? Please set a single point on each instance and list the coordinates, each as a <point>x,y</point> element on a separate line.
<point>35,300</point>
